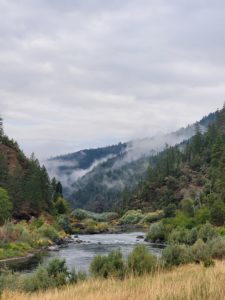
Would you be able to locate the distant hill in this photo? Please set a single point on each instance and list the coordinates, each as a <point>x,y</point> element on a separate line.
<point>96,179</point>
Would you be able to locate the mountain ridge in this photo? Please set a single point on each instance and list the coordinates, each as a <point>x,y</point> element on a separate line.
<point>109,170</point>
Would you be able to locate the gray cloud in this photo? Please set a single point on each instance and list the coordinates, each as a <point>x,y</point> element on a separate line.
<point>77,74</point>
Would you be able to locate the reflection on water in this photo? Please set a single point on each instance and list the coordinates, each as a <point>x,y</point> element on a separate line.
<point>79,256</point>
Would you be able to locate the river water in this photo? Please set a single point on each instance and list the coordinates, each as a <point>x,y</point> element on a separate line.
<point>79,256</point>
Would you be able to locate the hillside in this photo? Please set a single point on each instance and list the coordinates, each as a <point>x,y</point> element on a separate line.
<point>191,172</point>
<point>96,179</point>
<point>27,182</point>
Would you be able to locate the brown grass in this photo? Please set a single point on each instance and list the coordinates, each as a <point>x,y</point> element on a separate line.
<point>192,282</point>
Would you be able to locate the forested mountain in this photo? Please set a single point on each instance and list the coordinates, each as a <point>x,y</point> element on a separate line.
<point>191,174</point>
<point>97,179</point>
<point>27,182</point>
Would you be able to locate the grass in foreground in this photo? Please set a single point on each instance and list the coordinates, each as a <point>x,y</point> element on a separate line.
<point>190,282</point>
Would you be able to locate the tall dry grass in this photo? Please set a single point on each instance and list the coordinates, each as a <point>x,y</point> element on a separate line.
<point>191,282</point>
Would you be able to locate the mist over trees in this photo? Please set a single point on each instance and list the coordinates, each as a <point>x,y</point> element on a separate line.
<point>194,169</point>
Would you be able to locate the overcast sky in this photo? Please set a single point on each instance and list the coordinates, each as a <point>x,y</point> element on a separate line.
<point>84,73</point>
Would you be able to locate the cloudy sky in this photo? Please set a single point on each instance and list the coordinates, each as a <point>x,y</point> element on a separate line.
<point>84,73</point>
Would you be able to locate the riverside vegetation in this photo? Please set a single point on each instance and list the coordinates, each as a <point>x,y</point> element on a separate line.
<point>181,203</point>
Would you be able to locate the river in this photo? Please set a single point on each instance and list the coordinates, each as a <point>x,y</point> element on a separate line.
<point>80,255</point>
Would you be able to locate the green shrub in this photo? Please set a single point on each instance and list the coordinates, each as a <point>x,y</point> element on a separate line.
<point>156,233</point>
<point>37,222</point>
<point>170,211</point>
<point>181,235</point>
<point>132,217</point>
<point>141,261</point>
<point>202,215</point>
<point>48,231</point>
<point>152,217</point>
<point>9,280</point>
<point>187,206</point>
<point>200,252</point>
<point>182,220</point>
<point>40,280</point>
<point>111,265</point>
<point>178,236</point>
<point>207,232</point>
<point>217,248</point>
<point>61,206</point>
<point>175,255</point>
<point>55,274</point>
<point>90,226</point>
<point>64,224</point>
<point>82,214</point>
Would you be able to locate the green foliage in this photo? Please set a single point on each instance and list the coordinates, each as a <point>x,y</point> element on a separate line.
<point>187,206</point>
<point>64,223</point>
<point>217,248</point>
<point>152,217</point>
<point>40,280</point>
<point>61,206</point>
<point>156,233</point>
<point>181,220</point>
<point>141,261</point>
<point>55,274</point>
<point>202,215</point>
<point>217,213</point>
<point>132,217</point>
<point>5,206</point>
<point>170,210</point>
<point>82,214</point>
<point>207,232</point>
<point>175,255</point>
<point>182,235</point>
<point>200,252</point>
<point>27,182</point>
<point>111,265</point>
<point>48,231</point>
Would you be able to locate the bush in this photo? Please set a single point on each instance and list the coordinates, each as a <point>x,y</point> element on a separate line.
<point>175,255</point>
<point>152,217</point>
<point>40,280</point>
<point>141,261</point>
<point>200,252</point>
<point>64,224</point>
<point>181,235</point>
<point>217,248</point>
<point>207,232</point>
<point>187,206</point>
<point>111,265</point>
<point>202,215</point>
<point>53,275</point>
<point>61,206</point>
<point>132,217</point>
<point>82,214</point>
<point>170,211</point>
<point>178,236</point>
<point>48,231</point>
<point>9,280</point>
<point>156,233</point>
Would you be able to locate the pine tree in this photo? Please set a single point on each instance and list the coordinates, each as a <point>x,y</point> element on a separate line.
<point>221,119</point>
